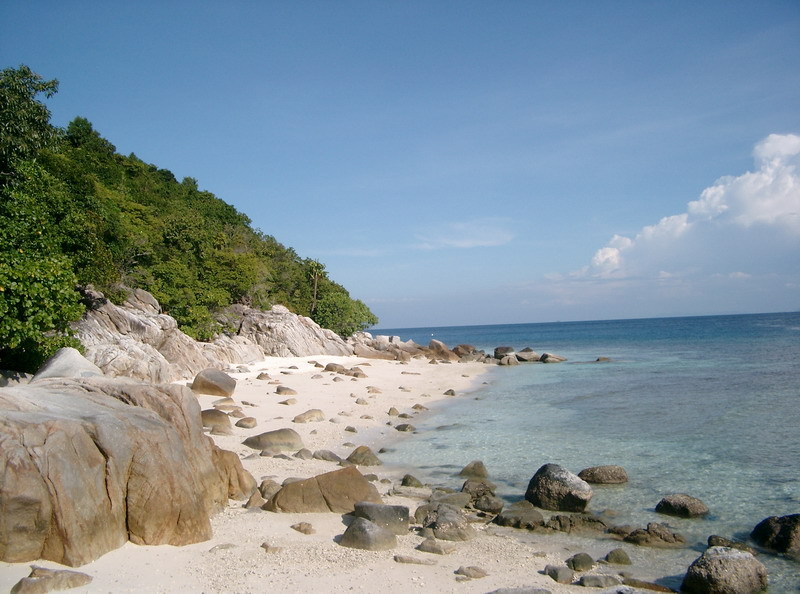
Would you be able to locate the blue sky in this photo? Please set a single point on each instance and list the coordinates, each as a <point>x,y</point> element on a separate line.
<point>466,162</point>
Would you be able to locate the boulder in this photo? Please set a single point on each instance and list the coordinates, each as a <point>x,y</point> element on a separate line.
<point>445,522</point>
<point>780,534</point>
<point>551,358</point>
<point>67,362</point>
<point>42,579</point>
<point>364,456</point>
<point>721,570</point>
<point>216,420</point>
<point>90,463</point>
<point>655,535</point>
<point>556,488</point>
<point>310,416</point>
<point>618,557</point>
<point>472,572</point>
<point>247,422</point>
<point>604,475</point>
<point>528,355</point>
<point>682,506</point>
<point>278,440</point>
<point>509,360</point>
<point>409,480</point>
<point>580,562</point>
<point>576,523</point>
<point>394,518</point>
<point>599,581</point>
<point>336,491</point>
<point>363,534</point>
<point>503,351</point>
<point>214,382</point>
<point>326,455</point>
<point>440,351</point>
<point>559,573</point>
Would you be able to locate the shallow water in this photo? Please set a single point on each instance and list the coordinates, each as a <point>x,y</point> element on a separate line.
<point>708,406</point>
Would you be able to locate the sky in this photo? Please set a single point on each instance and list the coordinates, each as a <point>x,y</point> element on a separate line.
<point>462,162</point>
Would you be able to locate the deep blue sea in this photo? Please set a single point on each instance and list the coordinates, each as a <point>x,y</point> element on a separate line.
<point>708,406</point>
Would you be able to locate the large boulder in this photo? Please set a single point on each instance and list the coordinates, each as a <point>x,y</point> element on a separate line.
<point>779,533</point>
<point>555,488</point>
<point>440,351</point>
<point>88,464</point>
<point>336,491</point>
<point>722,570</point>
<point>214,382</point>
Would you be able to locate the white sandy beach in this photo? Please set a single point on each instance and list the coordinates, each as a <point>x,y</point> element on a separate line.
<point>234,560</point>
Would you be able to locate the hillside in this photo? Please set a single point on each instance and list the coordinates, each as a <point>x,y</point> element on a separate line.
<point>74,212</point>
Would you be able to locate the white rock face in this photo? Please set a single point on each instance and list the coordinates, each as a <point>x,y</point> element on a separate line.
<point>137,340</point>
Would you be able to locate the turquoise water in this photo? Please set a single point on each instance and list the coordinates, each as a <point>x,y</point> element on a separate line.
<point>708,406</point>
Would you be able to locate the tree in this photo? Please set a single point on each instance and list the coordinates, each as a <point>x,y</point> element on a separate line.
<point>345,316</point>
<point>38,302</point>
<point>24,121</point>
<point>316,272</point>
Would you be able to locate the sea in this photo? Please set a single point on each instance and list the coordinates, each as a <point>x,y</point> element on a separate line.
<point>708,406</point>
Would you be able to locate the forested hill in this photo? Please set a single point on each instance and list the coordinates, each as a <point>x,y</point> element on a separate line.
<point>74,212</point>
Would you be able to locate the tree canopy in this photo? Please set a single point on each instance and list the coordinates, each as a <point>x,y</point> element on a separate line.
<point>75,212</point>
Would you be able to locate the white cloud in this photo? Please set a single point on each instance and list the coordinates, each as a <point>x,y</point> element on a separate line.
<point>488,232</point>
<point>757,212</point>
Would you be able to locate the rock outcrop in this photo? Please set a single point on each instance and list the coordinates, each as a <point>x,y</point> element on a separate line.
<point>91,463</point>
<point>138,340</point>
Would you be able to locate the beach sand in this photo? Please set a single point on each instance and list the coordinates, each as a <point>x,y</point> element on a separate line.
<point>234,559</point>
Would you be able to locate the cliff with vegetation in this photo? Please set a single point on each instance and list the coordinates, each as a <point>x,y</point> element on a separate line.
<point>74,212</point>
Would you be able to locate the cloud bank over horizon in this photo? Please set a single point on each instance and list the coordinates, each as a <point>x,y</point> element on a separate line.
<point>735,248</point>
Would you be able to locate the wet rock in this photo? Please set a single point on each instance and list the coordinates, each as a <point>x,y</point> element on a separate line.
<point>411,481</point>
<point>406,427</point>
<point>643,585</point>
<point>719,541</point>
<point>521,514</point>
<point>780,534</point>
<point>655,535</point>
<point>721,570</point>
<point>475,469</point>
<point>576,523</point>
<point>599,581</point>
<point>555,488</point>
<point>363,534</point>
<point>682,506</point>
<point>604,475</point>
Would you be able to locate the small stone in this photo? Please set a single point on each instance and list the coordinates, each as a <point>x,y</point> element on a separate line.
<point>411,481</point>
<point>288,401</point>
<point>559,573</point>
<point>304,528</point>
<point>393,412</point>
<point>268,548</point>
<point>285,391</point>
<point>436,547</point>
<point>599,581</point>
<point>580,562</point>
<point>413,560</point>
<point>472,572</point>
<point>618,557</point>
<point>405,427</point>
<point>247,423</point>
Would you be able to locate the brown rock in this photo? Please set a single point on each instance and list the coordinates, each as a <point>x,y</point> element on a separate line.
<point>42,580</point>
<point>214,382</point>
<point>336,491</point>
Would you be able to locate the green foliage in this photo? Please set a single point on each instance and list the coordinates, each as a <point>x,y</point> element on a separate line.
<point>37,303</point>
<point>24,121</point>
<point>112,220</point>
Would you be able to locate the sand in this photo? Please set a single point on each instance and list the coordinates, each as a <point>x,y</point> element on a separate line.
<point>234,559</point>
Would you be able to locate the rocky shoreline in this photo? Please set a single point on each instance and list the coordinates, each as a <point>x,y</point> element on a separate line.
<point>272,471</point>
